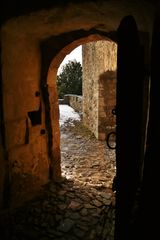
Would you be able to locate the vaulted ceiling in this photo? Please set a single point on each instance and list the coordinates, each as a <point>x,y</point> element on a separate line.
<point>15,8</point>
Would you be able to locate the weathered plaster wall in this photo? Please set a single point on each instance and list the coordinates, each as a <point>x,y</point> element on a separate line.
<point>2,175</point>
<point>98,88</point>
<point>26,146</point>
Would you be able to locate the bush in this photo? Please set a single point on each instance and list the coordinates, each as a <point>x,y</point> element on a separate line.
<point>69,81</point>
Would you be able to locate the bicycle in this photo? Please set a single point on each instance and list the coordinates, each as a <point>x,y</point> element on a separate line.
<point>111,137</point>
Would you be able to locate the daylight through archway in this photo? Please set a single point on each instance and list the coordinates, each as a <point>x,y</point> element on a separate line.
<point>94,108</point>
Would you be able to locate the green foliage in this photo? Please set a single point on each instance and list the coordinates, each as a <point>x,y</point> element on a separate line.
<point>69,81</point>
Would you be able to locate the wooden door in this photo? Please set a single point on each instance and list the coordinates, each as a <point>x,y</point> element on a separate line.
<point>130,77</point>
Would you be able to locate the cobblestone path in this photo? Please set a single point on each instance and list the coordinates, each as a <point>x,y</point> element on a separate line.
<point>81,206</point>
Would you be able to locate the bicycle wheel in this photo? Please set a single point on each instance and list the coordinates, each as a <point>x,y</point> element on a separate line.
<point>111,140</point>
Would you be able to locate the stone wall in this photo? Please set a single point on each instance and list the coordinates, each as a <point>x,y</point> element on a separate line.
<point>75,101</point>
<point>99,85</point>
<point>107,102</point>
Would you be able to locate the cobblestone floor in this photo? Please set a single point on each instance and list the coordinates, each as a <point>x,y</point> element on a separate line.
<point>81,206</point>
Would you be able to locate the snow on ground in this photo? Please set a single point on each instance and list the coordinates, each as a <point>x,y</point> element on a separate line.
<point>67,114</point>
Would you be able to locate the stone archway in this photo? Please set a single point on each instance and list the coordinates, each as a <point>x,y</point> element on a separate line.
<point>54,105</point>
<point>26,59</point>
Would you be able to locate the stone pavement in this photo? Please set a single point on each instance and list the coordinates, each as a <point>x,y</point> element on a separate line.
<point>81,206</point>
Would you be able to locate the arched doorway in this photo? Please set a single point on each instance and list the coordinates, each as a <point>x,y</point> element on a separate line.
<point>96,105</point>
<point>27,35</point>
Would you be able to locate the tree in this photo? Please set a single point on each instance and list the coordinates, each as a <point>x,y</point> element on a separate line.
<point>69,81</point>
